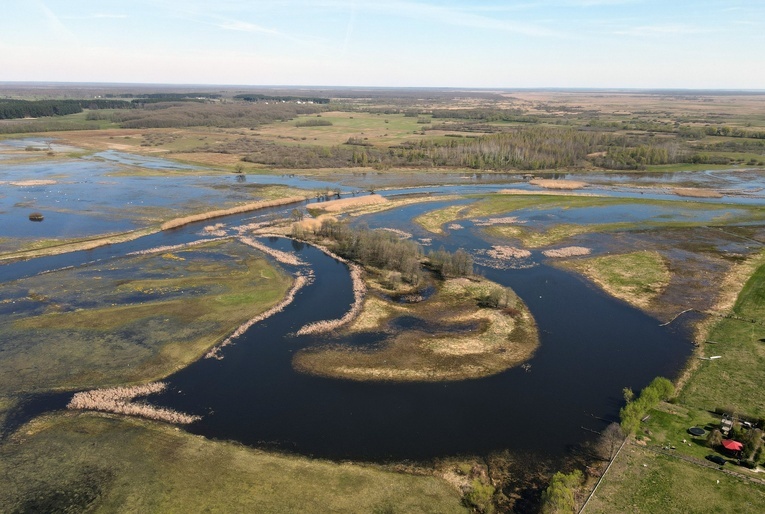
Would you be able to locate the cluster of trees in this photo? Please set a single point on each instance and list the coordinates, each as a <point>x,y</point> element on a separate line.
<point>376,248</point>
<point>631,414</point>
<point>313,122</point>
<point>531,148</point>
<point>560,495</point>
<point>638,157</point>
<point>184,114</point>
<point>300,156</point>
<point>485,115</point>
<point>14,109</point>
<point>457,264</point>
<point>270,98</point>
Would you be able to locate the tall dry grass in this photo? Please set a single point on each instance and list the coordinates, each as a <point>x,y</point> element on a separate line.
<point>179,222</point>
<point>283,257</point>
<point>174,248</point>
<point>119,400</point>
<point>349,203</point>
<point>507,220</point>
<point>568,251</point>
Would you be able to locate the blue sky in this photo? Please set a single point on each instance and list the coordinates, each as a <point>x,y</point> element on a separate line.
<point>483,43</point>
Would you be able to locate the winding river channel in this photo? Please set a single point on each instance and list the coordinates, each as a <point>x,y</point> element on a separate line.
<point>592,346</point>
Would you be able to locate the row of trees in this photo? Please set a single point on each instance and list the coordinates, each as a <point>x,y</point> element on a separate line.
<point>631,414</point>
<point>15,109</point>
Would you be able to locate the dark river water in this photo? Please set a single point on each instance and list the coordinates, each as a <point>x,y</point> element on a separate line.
<point>592,346</point>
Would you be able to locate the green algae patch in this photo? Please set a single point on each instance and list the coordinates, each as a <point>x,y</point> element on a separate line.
<point>77,462</point>
<point>469,328</point>
<point>133,319</point>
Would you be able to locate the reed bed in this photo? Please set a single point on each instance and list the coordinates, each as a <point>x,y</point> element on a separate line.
<point>557,183</point>
<point>179,222</point>
<point>507,252</point>
<point>692,192</point>
<point>119,401</point>
<point>252,227</point>
<point>174,248</point>
<point>527,192</point>
<point>359,292</point>
<point>217,230</point>
<point>568,251</point>
<point>349,203</point>
<point>507,220</point>
<point>399,233</point>
<point>36,182</point>
<point>300,281</point>
<point>278,255</point>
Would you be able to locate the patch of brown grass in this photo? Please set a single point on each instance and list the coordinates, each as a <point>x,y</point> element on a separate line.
<point>179,222</point>
<point>693,192</point>
<point>345,204</point>
<point>557,183</point>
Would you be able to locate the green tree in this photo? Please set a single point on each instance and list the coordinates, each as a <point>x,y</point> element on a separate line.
<point>559,497</point>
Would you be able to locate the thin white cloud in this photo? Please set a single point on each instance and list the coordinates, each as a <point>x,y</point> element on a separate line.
<point>661,30</point>
<point>56,26</point>
<point>243,26</point>
<point>430,13</point>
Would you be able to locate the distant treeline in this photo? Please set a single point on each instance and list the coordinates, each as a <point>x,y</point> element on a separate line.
<point>184,114</point>
<point>164,96</point>
<point>14,109</point>
<point>269,98</point>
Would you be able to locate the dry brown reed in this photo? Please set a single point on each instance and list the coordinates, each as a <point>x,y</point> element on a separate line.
<point>557,184</point>
<point>568,251</point>
<point>38,182</point>
<point>119,401</point>
<point>507,252</point>
<point>179,222</point>
<point>692,192</point>
<point>216,230</point>
<point>349,203</point>
<point>300,282</point>
<point>278,255</point>
<point>528,192</point>
<point>507,220</point>
<point>173,248</point>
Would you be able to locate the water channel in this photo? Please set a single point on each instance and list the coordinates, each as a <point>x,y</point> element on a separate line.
<point>592,346</point>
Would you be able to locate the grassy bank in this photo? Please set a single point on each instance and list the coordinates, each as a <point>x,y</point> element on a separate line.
<point>102,463</point>
<point>136,319</point>
<point>667,471</point>
<point>638,278</point>
<point>463,338</point>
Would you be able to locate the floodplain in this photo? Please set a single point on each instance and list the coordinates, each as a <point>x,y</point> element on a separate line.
<point>618,255</point>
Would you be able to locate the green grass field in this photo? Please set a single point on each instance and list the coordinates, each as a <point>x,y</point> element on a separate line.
<point>99,463</point>
<point>643,481</point>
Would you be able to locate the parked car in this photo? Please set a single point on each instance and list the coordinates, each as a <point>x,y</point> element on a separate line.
<point>716,459</point>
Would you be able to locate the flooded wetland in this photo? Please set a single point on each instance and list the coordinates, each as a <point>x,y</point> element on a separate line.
<point>510,314</point>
